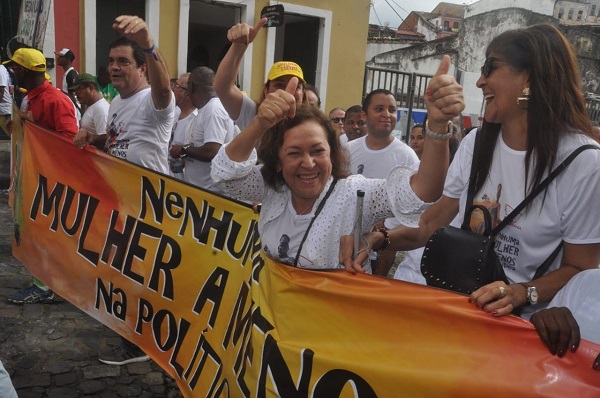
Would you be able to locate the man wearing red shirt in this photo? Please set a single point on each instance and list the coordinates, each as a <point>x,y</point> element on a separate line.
<point>46,105</point>
<point>52,109</point>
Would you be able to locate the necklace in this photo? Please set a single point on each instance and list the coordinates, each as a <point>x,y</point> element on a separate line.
<point>296,215</point>
<point>303,212</point>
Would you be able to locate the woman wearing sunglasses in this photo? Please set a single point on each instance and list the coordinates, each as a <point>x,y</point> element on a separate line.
<point>535,117</point>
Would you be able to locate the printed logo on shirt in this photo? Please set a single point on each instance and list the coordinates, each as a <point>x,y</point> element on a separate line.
<point>506,247</point>
<point>114,145</point>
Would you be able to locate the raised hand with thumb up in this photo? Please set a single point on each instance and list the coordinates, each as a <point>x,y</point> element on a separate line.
<point>444,97</point>
<point>278,105</point>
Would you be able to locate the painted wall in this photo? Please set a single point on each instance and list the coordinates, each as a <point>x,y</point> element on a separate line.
<point>346,60</point>
<point>67,23</point>
<point>377,48</point>
<point>343,55</point>
<point>169,33</point>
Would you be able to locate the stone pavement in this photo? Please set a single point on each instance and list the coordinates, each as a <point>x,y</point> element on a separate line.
<point>50,350</point>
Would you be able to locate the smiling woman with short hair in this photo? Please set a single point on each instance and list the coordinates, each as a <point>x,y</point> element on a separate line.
<point>303,182</point>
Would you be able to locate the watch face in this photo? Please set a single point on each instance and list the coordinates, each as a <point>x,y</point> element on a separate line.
<point>533,296</point>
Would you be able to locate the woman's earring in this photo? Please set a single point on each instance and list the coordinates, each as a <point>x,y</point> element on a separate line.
<point>524,98</point>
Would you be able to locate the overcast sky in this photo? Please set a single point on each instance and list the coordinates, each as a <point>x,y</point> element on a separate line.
<point>383,11</point>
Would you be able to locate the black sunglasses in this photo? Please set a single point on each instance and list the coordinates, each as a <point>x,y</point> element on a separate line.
<point>488,65</point>
<point>337,119</point>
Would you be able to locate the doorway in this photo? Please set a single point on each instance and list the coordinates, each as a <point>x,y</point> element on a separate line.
<point>298,41</point>
<point>207,32</point>
<point>106,12</point>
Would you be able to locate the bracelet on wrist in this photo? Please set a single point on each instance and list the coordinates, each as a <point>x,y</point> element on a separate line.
<point>386,238</point>
<point>151,51</point>
<point>436,136</point>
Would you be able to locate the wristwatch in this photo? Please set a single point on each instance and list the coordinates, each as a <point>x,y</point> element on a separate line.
<point>532,295</point>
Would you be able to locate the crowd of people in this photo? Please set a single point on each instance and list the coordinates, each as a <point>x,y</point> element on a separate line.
<point>305,167</point>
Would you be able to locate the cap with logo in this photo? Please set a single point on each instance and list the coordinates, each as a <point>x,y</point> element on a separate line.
<point>28,58</point>
<point>84,78</point>
<point>286,68</point>
<point>65,52</point>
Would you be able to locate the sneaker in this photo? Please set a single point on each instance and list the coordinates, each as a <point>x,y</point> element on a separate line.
<point>31,295</point>
<point>120,356</point>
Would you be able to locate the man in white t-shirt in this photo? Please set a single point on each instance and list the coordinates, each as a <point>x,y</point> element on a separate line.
<point>140,120</point>
<point>211,128</point>
<point>96,113</point>
<point>181,129</point>
<point>64,59</point>
<point>377,153</point>
<point>5,98</point>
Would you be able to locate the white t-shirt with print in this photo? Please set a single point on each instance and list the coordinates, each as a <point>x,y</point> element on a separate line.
<point>94,117</point>
<point>283,240</point>
<point>140,133</point>
<point>212,124</point>
<point>378,163</point>
<point>534,234</point>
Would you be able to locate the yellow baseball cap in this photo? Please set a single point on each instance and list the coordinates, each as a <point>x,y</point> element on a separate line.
<point>286,68</point>
<point>29,58</point>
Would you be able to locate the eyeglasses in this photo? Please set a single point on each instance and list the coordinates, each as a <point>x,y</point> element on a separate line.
<point>181,87</point>
<point>488,65</point>
<point>338,119</point>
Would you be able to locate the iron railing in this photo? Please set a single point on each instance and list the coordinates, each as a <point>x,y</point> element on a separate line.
<point>592,104</point>
<point>408,88</point>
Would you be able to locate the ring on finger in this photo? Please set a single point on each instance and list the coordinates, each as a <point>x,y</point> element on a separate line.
<point>502,291</point>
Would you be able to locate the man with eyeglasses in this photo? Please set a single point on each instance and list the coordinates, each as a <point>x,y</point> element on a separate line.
<point>140,120</point>
<point>336,120</point>
<point>181,129</point>
<point>355,124</point>
<point>141,117</point>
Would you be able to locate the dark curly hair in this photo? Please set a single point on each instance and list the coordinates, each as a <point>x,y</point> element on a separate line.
<point>268,150</point>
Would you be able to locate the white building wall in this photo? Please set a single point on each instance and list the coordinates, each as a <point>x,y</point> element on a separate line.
<point>544,7</point>
<point>426,30</point>
<point>374,49</point>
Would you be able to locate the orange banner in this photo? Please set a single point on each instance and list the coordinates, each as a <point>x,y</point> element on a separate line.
<point>179,271</point>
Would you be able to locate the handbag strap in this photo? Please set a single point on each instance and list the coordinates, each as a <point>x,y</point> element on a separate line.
<point>546,264</point>
<point>471,189</point>
<point>312,220</point>
<point>559,169</point>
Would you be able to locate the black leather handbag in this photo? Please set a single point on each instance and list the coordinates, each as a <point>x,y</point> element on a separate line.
<point>461,260</point>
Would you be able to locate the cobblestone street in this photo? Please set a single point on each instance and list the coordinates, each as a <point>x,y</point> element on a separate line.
<point>50,350</point>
